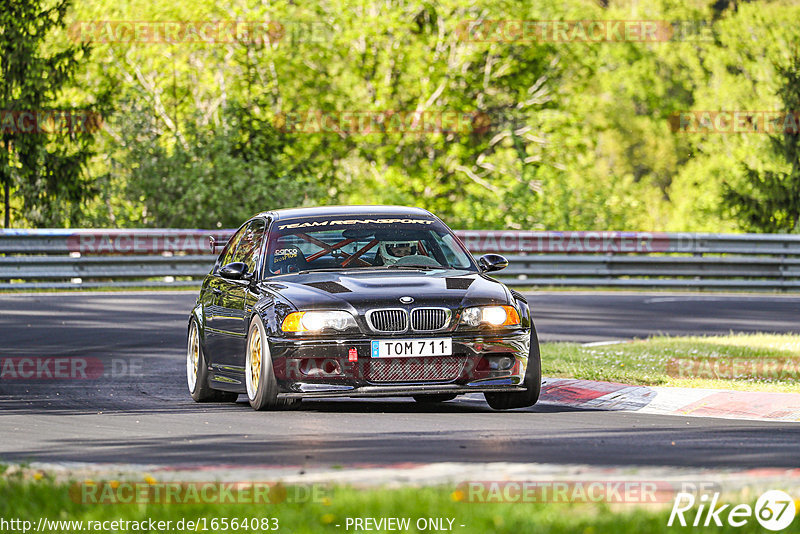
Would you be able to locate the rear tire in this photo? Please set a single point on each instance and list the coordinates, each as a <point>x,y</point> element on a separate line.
<point>435,398</point>
<point>262,388</point>
<point>532,382</point>
<point>197,371</point>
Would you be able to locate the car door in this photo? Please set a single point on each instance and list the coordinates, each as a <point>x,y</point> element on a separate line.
<point>232,320</point>
<point>216,312</point>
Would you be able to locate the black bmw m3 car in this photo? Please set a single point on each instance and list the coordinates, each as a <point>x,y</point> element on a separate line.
<point>358,301</point>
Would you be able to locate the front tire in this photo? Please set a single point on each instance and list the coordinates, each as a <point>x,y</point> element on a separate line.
<point>197,371</point>
<point>262,388</point>
<point>532,382</point>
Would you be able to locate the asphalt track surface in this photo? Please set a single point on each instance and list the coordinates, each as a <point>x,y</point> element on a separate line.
<point>141,412</point>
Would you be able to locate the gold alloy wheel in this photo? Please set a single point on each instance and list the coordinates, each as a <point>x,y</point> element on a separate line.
<point>192,358</point>
<point>255,361</point>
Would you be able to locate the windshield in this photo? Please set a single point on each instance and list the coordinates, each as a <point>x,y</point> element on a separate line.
<point>338,243</point>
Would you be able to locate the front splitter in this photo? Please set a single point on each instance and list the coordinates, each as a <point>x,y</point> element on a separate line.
<point>400,391</point>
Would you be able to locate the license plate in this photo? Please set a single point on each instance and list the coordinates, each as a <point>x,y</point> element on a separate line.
<point>411,348</point>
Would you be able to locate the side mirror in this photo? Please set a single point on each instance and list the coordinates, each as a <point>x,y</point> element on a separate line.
<point>234,271</point>
<point>492,262</point>
<point>214,244</point>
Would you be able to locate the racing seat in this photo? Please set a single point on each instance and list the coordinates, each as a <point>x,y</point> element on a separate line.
<point>288,259</point>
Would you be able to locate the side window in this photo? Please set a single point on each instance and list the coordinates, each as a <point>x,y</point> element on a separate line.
<point>250,244</point>
<point>452,251</point>
<point>227,255</point>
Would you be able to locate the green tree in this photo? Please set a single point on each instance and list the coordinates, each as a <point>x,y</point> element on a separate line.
<point>213,176</point>
<point>46,171</point>
<point>767,200</point>
<point>578,134</point>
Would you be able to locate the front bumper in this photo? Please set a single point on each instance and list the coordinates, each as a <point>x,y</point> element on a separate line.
<point>306,368</point>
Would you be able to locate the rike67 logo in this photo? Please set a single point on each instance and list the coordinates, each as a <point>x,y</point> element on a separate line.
<point>774,510</point>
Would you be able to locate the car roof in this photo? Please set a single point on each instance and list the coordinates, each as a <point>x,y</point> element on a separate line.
<point>329,211</point>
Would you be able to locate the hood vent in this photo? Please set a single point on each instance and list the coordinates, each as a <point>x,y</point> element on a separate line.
<point>458,283</point>
<point>330,287</point>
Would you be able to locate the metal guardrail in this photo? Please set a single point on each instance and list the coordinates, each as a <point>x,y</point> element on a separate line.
<point>166,257</point>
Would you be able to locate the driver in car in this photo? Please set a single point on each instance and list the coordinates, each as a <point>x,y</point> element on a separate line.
<point>391,251</point>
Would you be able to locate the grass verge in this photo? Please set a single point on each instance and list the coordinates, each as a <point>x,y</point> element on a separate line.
<point>750,362</point>
<point>41,497</point>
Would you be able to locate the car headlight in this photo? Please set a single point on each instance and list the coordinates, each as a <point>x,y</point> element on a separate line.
<point>490,316</point>
<point>317,321</point>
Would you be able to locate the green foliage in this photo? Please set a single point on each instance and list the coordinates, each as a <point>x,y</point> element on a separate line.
<point>46,172</point>
<point>568,135</point>
<point>769,201</point>
<point>216,175</point>
<point>31,495</point>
